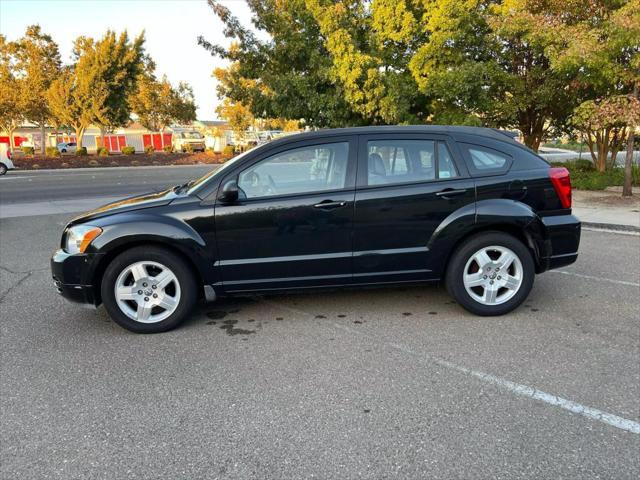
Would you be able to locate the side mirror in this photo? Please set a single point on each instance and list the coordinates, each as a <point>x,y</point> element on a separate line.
<point>229,193</point>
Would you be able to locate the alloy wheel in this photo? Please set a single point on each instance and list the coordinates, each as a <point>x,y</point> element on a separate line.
<point>493,275</point>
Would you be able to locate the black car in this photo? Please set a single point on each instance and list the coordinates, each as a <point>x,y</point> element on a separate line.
<point>469,207</point>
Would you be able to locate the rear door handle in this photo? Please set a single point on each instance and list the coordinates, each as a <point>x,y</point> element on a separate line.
<point>329,205</point>
<point>450,192</point>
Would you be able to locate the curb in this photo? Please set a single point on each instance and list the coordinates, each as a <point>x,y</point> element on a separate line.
<point>612,227</point>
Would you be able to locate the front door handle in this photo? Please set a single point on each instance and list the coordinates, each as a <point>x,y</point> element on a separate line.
<point>329,205</point>
<point>450,192</point>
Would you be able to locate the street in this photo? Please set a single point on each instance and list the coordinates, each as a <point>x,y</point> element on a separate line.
<point>397,382</point>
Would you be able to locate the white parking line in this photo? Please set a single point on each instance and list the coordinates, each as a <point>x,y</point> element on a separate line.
<point>600,279</point>
<point>515,388</point>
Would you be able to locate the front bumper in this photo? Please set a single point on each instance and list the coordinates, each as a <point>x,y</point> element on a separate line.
<point>562,241</point>
<point>73,276</point>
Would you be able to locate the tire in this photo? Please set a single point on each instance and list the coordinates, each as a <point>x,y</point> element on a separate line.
<point>160,296</point>
<point>64,150</point>
<point>3,169</point>
<point>489,291</point>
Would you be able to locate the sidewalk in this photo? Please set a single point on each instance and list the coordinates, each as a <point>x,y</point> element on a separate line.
<point>607,209</point>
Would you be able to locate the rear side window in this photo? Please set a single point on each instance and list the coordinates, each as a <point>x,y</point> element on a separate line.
<point>404,161</point>
<point>484,160</point>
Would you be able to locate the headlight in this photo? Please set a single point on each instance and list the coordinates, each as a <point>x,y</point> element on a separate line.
<point>79,237</point>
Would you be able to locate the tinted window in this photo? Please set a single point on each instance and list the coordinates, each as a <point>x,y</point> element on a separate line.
<point>402,161</point>
<point>301,170</point>
<point>486,159</point>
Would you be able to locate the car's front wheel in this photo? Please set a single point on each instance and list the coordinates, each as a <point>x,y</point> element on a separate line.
<point>3,169</point>
<point>490,274</point>
<point>148,290</point>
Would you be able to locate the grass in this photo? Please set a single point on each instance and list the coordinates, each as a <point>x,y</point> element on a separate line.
<point>584,176</point>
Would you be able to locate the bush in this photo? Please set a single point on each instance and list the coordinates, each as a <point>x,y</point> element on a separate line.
<point>128,150</point>
<point>103,151</point>
<point>187,147</point>
<point>149,149</point>
<point>82,151</point>
<point>27,150</point>
<point>229,151</point>
<point>52,152</point>
<point>168,148</point>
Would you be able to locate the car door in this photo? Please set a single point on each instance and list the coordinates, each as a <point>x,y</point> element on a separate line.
<point>292,223</point>
<point>407,185</point>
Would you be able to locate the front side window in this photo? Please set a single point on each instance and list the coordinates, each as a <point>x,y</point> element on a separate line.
<point>302,170</point>
<point>405,161</point>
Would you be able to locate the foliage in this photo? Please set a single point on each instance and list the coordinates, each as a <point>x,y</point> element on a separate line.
<point>37,65</point>
<point>604,125</point>
<point>81,151</point>
<point>228,151</point>
<point>128,150</point>
<point>187,148</point>
<point>157,104</point>
<point>237,115</point>
<point>27,150</point>
<point>168,148</point>
<point>103,151</point>
<point>149,149</point>
<point>584,176</point>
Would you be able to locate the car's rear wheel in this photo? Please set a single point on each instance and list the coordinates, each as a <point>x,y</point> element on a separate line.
<point>491,273</point>
<point>148,290</point>
<point>3,169</point>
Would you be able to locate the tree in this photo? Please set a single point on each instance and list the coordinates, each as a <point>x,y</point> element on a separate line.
<point>11,110</point>
<point>237,115</point>
<point>157,104</point>
<point>78,98</point>
<point>288,76</point>
<point>604,125</point>
<point>116,62</point>
<point>37,66</point>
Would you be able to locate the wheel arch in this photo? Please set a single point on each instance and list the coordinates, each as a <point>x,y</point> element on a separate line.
<point>108,257</point>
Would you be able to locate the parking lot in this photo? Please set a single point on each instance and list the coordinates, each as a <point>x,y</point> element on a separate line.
<point>352,384</point>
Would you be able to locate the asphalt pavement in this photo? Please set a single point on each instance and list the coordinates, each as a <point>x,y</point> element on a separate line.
<point>381,383</point>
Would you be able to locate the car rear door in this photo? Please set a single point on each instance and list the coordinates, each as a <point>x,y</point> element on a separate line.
<point>292,225</point>
<point>407,185</point>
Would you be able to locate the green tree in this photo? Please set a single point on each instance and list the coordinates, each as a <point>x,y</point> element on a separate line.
<point>77,98</point>
<point>37,65</point>
<point>287,76</point>
<point>11,109</point>
<point>157,104</point>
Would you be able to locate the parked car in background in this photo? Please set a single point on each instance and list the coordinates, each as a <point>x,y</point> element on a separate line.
<point>188,140</point>
<point>67,147</point>
<point>469,207</point>
<point>5,159</point>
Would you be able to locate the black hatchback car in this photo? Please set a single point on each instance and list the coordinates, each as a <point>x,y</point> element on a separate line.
<point>469,207</point>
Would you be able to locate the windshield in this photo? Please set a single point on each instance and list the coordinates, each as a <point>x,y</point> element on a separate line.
<point>219,171</point>
<point>191,135</point>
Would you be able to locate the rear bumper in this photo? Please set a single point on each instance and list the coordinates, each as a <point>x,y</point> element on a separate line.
<point>562,239</point>
<point>73,276</point>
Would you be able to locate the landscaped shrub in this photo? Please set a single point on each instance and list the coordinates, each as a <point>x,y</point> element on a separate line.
<point>149,149</point>
<point>228,151</point>
<point>168,148</point>
<point>52,152</point>
<point>103,151</point>
<point>27,150</point>
<point>584,176</point>
<point>187,147</point>
<point>82,151</point>
<point>128,150</point>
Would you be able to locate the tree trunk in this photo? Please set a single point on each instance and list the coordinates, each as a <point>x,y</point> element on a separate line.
<point>43,144</point>
<point>12,141</point>
<point>628,161</point>
<point>79,135</point>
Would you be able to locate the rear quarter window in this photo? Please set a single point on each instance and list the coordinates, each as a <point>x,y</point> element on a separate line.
<point>483,160</point>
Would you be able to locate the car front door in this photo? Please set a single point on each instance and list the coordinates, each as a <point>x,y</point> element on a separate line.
<point>292,224</point>
<point>406,186</point>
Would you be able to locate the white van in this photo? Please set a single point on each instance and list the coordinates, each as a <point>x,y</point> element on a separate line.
<point>5,159</point>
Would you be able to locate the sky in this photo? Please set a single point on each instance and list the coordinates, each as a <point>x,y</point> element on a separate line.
<point>171,30</point>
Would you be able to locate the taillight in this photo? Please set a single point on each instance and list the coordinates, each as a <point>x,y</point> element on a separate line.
<point>9,154</point>
<point>562,184</point>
